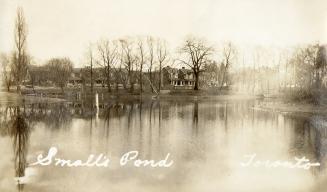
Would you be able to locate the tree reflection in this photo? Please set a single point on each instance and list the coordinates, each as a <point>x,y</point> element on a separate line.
<point>196,118</point>
<point>18,121</point>
<point>154,127</point>
<point>129,118</point>
<point>19,132</point>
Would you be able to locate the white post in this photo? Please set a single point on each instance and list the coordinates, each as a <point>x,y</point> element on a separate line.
<point>97,100</point>
<point>97,105</point>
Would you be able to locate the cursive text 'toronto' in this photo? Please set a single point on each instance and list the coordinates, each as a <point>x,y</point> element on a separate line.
<point>299,163</point>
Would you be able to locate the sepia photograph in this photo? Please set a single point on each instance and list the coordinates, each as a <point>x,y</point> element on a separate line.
<point>163,95</point>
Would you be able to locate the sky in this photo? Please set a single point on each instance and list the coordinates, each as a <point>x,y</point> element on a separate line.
<point>65,28</point>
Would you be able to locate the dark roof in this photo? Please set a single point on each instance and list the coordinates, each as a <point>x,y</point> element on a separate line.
<point>36,68</point>
<point>77,70</point>
<point>74,78</point>
<point>180,79</point>
<point>186,71</point>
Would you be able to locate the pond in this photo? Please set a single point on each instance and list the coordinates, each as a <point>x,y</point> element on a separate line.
<point>206,140</point>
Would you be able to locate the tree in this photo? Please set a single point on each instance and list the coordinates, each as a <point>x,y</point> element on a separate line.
<point>151,60</point>
<point>320,64</point>
<point>60,70</point>
<point>305,67</point>
<point>6,73</point>
<point>195,53</point>
<point>212,73</point>
<point>20,58</point>
<point>129,60</point>
<point>141,62</point>
<point>162,56</point>
<point>229,53</point>
<point>90,59</point>
<point>119,75</point>
<point>108,52</point>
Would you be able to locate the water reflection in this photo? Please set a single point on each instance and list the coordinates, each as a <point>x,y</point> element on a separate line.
<point>19,131</point>
<point>207,140</point>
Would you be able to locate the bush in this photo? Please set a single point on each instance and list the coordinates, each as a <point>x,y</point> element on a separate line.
<point>302,95</point>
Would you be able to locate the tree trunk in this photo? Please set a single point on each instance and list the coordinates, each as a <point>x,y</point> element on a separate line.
<point>108,85</point>
<point>131,82</point>
<point>318,79</point>
<point>124,85</point>
<point>117,83</point>
<point>223,78</point>
<point>160,76</point>
<point>151,80</point>
<point>141,81</point>
<point>108,79</point>
<point>196,86</point>
<point>8,85</point>
<point>19,89</point>
<point>132,87</point>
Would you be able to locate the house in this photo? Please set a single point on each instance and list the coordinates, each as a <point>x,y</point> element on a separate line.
<point>83,75</point>
<point>178,78</point>
<point>172,78</point>
<point>74,81</point>
<point>37,75</point>
<point>76,77</point>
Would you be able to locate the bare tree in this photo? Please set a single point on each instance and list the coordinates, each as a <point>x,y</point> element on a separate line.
<point>129,59</point>
<point>162,56</point>
<point>6,73</point>
<point>60,70</point>
<point>320,63</point>
<point>304,65</point>
<point>119,72</point>
<point>20,59</point>
<point>195,53</point>
<point>108,52</point>
<point>151,60</point>
<point>229,53</point>
<point>141,62</point>
<point>88,73</point>
<point>90,56</point>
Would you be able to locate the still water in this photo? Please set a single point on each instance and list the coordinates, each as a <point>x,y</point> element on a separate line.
<point>207,140</point>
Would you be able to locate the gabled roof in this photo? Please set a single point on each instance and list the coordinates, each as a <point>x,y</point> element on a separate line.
<point>186,71</point>
<point>171,70</point>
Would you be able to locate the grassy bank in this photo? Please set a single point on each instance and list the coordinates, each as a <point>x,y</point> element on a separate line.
<point>14,99</point>
<point>304,101</point>
<point>54,92</point>
<point>295,102</point>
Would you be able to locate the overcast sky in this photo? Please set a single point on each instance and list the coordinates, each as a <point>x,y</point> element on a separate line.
<point>65,27</point>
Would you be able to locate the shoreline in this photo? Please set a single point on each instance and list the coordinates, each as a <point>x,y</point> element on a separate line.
<point>295,108</point>
<point>262,103</point>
